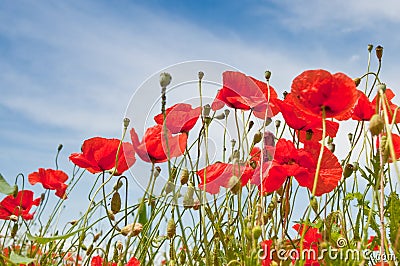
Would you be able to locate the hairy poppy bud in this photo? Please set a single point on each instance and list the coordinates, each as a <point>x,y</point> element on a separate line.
<point>182,257</point>
<point>110,215</point>
<point>277,123</point>
<point>226,112</point>
<point>314,204</point>
<point>132,229</point>
<point>357,81</point>
<point>118,185</point>
<point>184,176</point>
<point>201,75</point>
<point>119,245</point>
<point>376,125</point>
<point>89,249</point>
<point>171,228</point>
<point>220,116</point>
<point>206,110</point>
<point>267,75</point>
<point>379,52</point>
<point>251,124</point>
<point>257,137</point>
<point>165,79</point>
<point>169,187</point>
<point>256,231</point>
<point>350,137</point>
<point>370,47</point>
<point>60,146</point>
<point>116,202</point>
<point>157,171</point>
<point>97,236</point>
<point>381,87</point>
<point>14,230</point>
<point>348,170</point>
<point>126,122</point>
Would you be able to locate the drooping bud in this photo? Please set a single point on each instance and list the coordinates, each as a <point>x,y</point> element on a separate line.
<point>201,75</point>
<point>348,170</point>
<point>256,231</point>
<point>251,124</point>
<point>188,201</point>
<point>132,229</point>
<point>126,122</point>
<point>184,176</point>
<point>370,47</point>
<point>169,187</point>
<point>379,52</point>
<point>89,250</point>
<point>157,171</point>
<point>60,146</point>
<point>350,137</point>
<point>376,125</point>
<point>165,79</point>
<point>314,204</point>
<point>171,228</point>
<point>118,185</point>
<point>119,245</point>
<point>97,236</point>
<point>357,81</point>
<point>182,257</point>
<point>110,215</point>
<point>226,112</point>
<point>116,202</point>
<point>331,146</point>
<point>257,137</point>
<point>277,123</point>
<point>14,230</point>
<point>220,116</point>
<point>267,75</point>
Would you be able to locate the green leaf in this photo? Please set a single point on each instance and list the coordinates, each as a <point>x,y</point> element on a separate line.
<point>18,259</point>
<point>5,188</point>
<point>45,240</point>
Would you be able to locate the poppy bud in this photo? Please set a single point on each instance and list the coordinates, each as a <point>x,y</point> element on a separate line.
<point>118,185</point>
<point>381,87</point>
<point>201,75</point>
<point>285,93</point>
<point>253,164</point>
<point>235,184</point>
<point>157,171</point>
<point>206,110</point>
<point>331,147</point>
<point>220,116</point>
<point>256,231</point>
<point>350,137</point>
<point>89,249</point>
<point>379,52</point>
<point>376,125</point>
<point>257,137</point>
<point>184,176</point>
<point>348,170</point>
<point>171,228</point>
<point>355,166</point>
<point>370,47</point>
<point>169,187</point>
<point>13,218</point>
<point>226,112</point>
<point>357,81</point>
<point>182,257</point>
<point>83,246</point>
<point>119,245</point>
<point>277,123</point>
<point>233,142</point>
<point>132,229</point>
<point>97,236</point>
<point>60,146</point>
<point>314,204</point>
<point>267,75</point>
<point>251,124</point>
<point>165,79</point>
<point>73,222</point>
<point>126,122</point>
<point>116,203</point>
<point>309,134</point>
<point>14,230</point>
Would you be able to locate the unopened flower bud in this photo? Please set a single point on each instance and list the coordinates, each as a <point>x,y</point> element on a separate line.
<point>331,147</point>
<point>201,75</point>
<point>97,236</point>
<point>14,230</point>
<point>157,171</point>
<point>381,87</point>
<point>206,110</point>
<point>370,47</point>
<point>314,204</point>
<point>126,122</point>
<point>355,166</point>
<point>110,215</point>
<point>233,142</point>
<point>188,201</point>
<point>257,137</point>
<point>267,75</point>
<point>235,184</point>
<point>184,176</point>
<point>73,222</point>
<point>251,124</point>
<point>379,52</point>
<point>165,79</point>
<point>60,146</point>
<point>277,123</point>
<point>116,203</point>
<point>350,137</point>
<point>169,187</point>
<point>132,229</point>
<point>220,116</point>
<point>171,228</point>
<point>89,249</point>
<point>376,125</point>
<point>256,231</point>
<point>357,81</point>
<point>13,218</point>
<point>348,170</point>
<point>118,185</point>
<point>226,112</point>
<point>119,245</point>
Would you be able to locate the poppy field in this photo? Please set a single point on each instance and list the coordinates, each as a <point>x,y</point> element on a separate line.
<point>251,177</point>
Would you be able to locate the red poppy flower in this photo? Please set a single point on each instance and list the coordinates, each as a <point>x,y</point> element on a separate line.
<point>19,206</point>
<point>50,179</point>
<point>133,262</point>
<point>392,107</point>
<point>99,154</point>
<point>310,126</point>
<point>243,92</point>
<point>153,147</point>
<point>313,89</point>
<point>179,117</point>
<point>330,171</point>
<point>364,109</point>
<point>98,261</point>
<point>221,174</point>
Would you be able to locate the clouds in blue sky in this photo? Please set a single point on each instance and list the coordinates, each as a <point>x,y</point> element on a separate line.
<point>68,68</point>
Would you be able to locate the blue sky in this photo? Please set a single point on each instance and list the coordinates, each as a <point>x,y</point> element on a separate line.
<point>68,68</point>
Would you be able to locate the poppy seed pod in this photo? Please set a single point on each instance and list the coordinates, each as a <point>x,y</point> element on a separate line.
<point>348,170</point>
<point>157,171</point>
<point>126,122</point>
<point>171,228</point>
<point>257,137</point>
<point>165,79</point>
<point>226,112</point>
<point>379,52</point>
<point>267,75</point>
<point>376,125</point>
<point>201,75</point>
<point>116,203</point>
<point>235,184</point>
